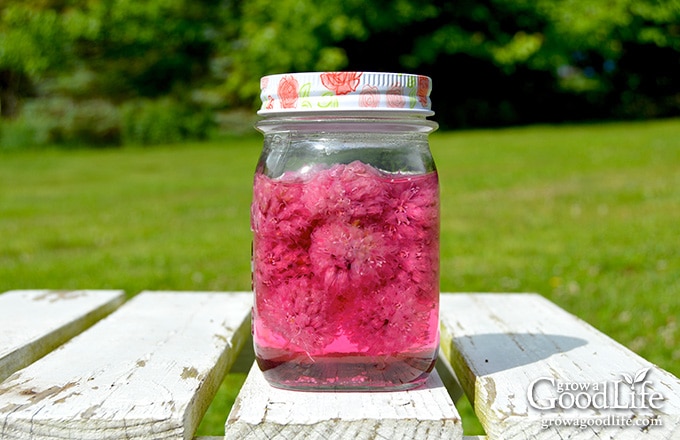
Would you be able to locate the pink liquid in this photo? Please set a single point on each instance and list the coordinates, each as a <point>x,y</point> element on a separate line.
<point>346,278</point>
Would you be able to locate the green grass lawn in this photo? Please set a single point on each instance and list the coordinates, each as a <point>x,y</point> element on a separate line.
<point>585,215</point>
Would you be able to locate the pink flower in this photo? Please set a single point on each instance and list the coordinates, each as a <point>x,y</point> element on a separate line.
<point>423,90</point>
<point>346,192</point>
<point>276,209</point>
<point>414,201</point>
<point>419,266</point>
<point>299,314</point>
<point>392,320</point>
<point>341,83</point>
<point>345,253</point>
<point>347,258</point>
<point>395,97</point>
<point>288,91</point>
<point>276,261</point>
<point>369,96</point>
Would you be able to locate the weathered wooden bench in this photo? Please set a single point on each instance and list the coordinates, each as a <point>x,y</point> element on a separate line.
<point>90,365</point>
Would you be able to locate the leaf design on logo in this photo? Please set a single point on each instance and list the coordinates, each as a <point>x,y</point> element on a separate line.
<point>412,98</point>
<point>640,375</point>
<point>627,378</point>
<point>305,90</point>
<point>332,101</point>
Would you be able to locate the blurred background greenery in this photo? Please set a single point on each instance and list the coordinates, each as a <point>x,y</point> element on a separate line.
<point>112,72</point>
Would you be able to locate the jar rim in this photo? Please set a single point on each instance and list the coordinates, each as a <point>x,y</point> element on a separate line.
<point>345,123</point>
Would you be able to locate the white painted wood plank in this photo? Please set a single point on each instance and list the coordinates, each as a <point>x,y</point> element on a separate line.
<point>147,371</point>
<point>34,322</point>
<point>263,412</point>
<point>499,344</point>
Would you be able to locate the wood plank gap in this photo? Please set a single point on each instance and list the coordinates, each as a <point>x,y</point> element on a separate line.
<point>147,371</point>
<point>35,322</point>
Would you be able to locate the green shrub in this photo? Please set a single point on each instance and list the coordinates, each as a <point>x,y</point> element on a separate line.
<point>162,121</point>
<point>95,122</point>
<point>63,121</point>
<point>16,135</point>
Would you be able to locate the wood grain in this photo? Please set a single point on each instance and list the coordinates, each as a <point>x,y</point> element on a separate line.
<point>263,412</point>
<point>499,344</point>
<point>34,322</point>
<point>147,371</point>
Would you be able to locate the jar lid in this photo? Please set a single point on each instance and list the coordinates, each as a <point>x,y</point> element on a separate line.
<point>345,91</point>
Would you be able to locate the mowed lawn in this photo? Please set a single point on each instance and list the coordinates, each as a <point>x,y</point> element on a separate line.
<point>586,215</point>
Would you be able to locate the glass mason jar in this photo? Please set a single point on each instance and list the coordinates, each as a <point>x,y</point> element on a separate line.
<point>345,220</point>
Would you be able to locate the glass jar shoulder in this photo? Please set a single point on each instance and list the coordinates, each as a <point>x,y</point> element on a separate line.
<point>291,151</point>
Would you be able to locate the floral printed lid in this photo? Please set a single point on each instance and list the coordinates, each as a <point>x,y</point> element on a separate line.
<point>345,91</point>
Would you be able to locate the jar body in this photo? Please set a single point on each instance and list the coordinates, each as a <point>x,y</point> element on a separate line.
<point>345,221</point>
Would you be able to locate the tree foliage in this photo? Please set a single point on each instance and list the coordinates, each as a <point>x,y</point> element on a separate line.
<point>32,41</point>
<point>518,61</point>
<point>145,48</point>
<point>493,61</point>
